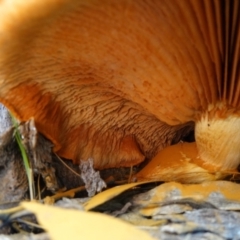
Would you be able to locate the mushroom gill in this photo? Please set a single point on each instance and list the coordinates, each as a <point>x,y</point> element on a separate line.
<point>120,80</point>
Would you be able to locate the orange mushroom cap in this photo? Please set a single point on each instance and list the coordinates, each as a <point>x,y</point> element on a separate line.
<point>120,80</point>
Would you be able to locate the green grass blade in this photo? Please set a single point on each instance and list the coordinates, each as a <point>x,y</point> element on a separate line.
<point>25,158</point>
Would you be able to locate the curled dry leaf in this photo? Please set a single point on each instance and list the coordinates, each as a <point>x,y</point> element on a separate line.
<point>220,194</point>
<point>109,194</point>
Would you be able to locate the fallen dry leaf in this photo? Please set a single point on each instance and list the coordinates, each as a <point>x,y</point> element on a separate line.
<point>221,194</point>
<point>64,224</point>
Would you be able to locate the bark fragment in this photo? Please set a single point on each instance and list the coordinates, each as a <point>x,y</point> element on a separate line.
<point>39,150</point>
<point>13,179</point>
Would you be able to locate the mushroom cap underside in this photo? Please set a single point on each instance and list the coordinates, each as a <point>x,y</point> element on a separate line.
<point>118,80</point>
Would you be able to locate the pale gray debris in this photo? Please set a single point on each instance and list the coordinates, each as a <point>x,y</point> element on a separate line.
<point>5,119</point>
<point>173,209</point>
<point>221,202</point>
<point>73,203</point>
<point>91,178</point>
<point>189,236</point>
<point>24,236</point>
<point>224,223</point>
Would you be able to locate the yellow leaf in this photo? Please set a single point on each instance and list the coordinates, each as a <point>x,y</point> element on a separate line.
<point>110,194</point>
<point>63,224</point>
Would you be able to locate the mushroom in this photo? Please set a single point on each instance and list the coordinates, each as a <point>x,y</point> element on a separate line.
<point>118,81</point>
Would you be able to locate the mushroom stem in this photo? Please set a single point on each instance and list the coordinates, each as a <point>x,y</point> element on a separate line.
<point>218,142</point>
<point>214,155</point>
